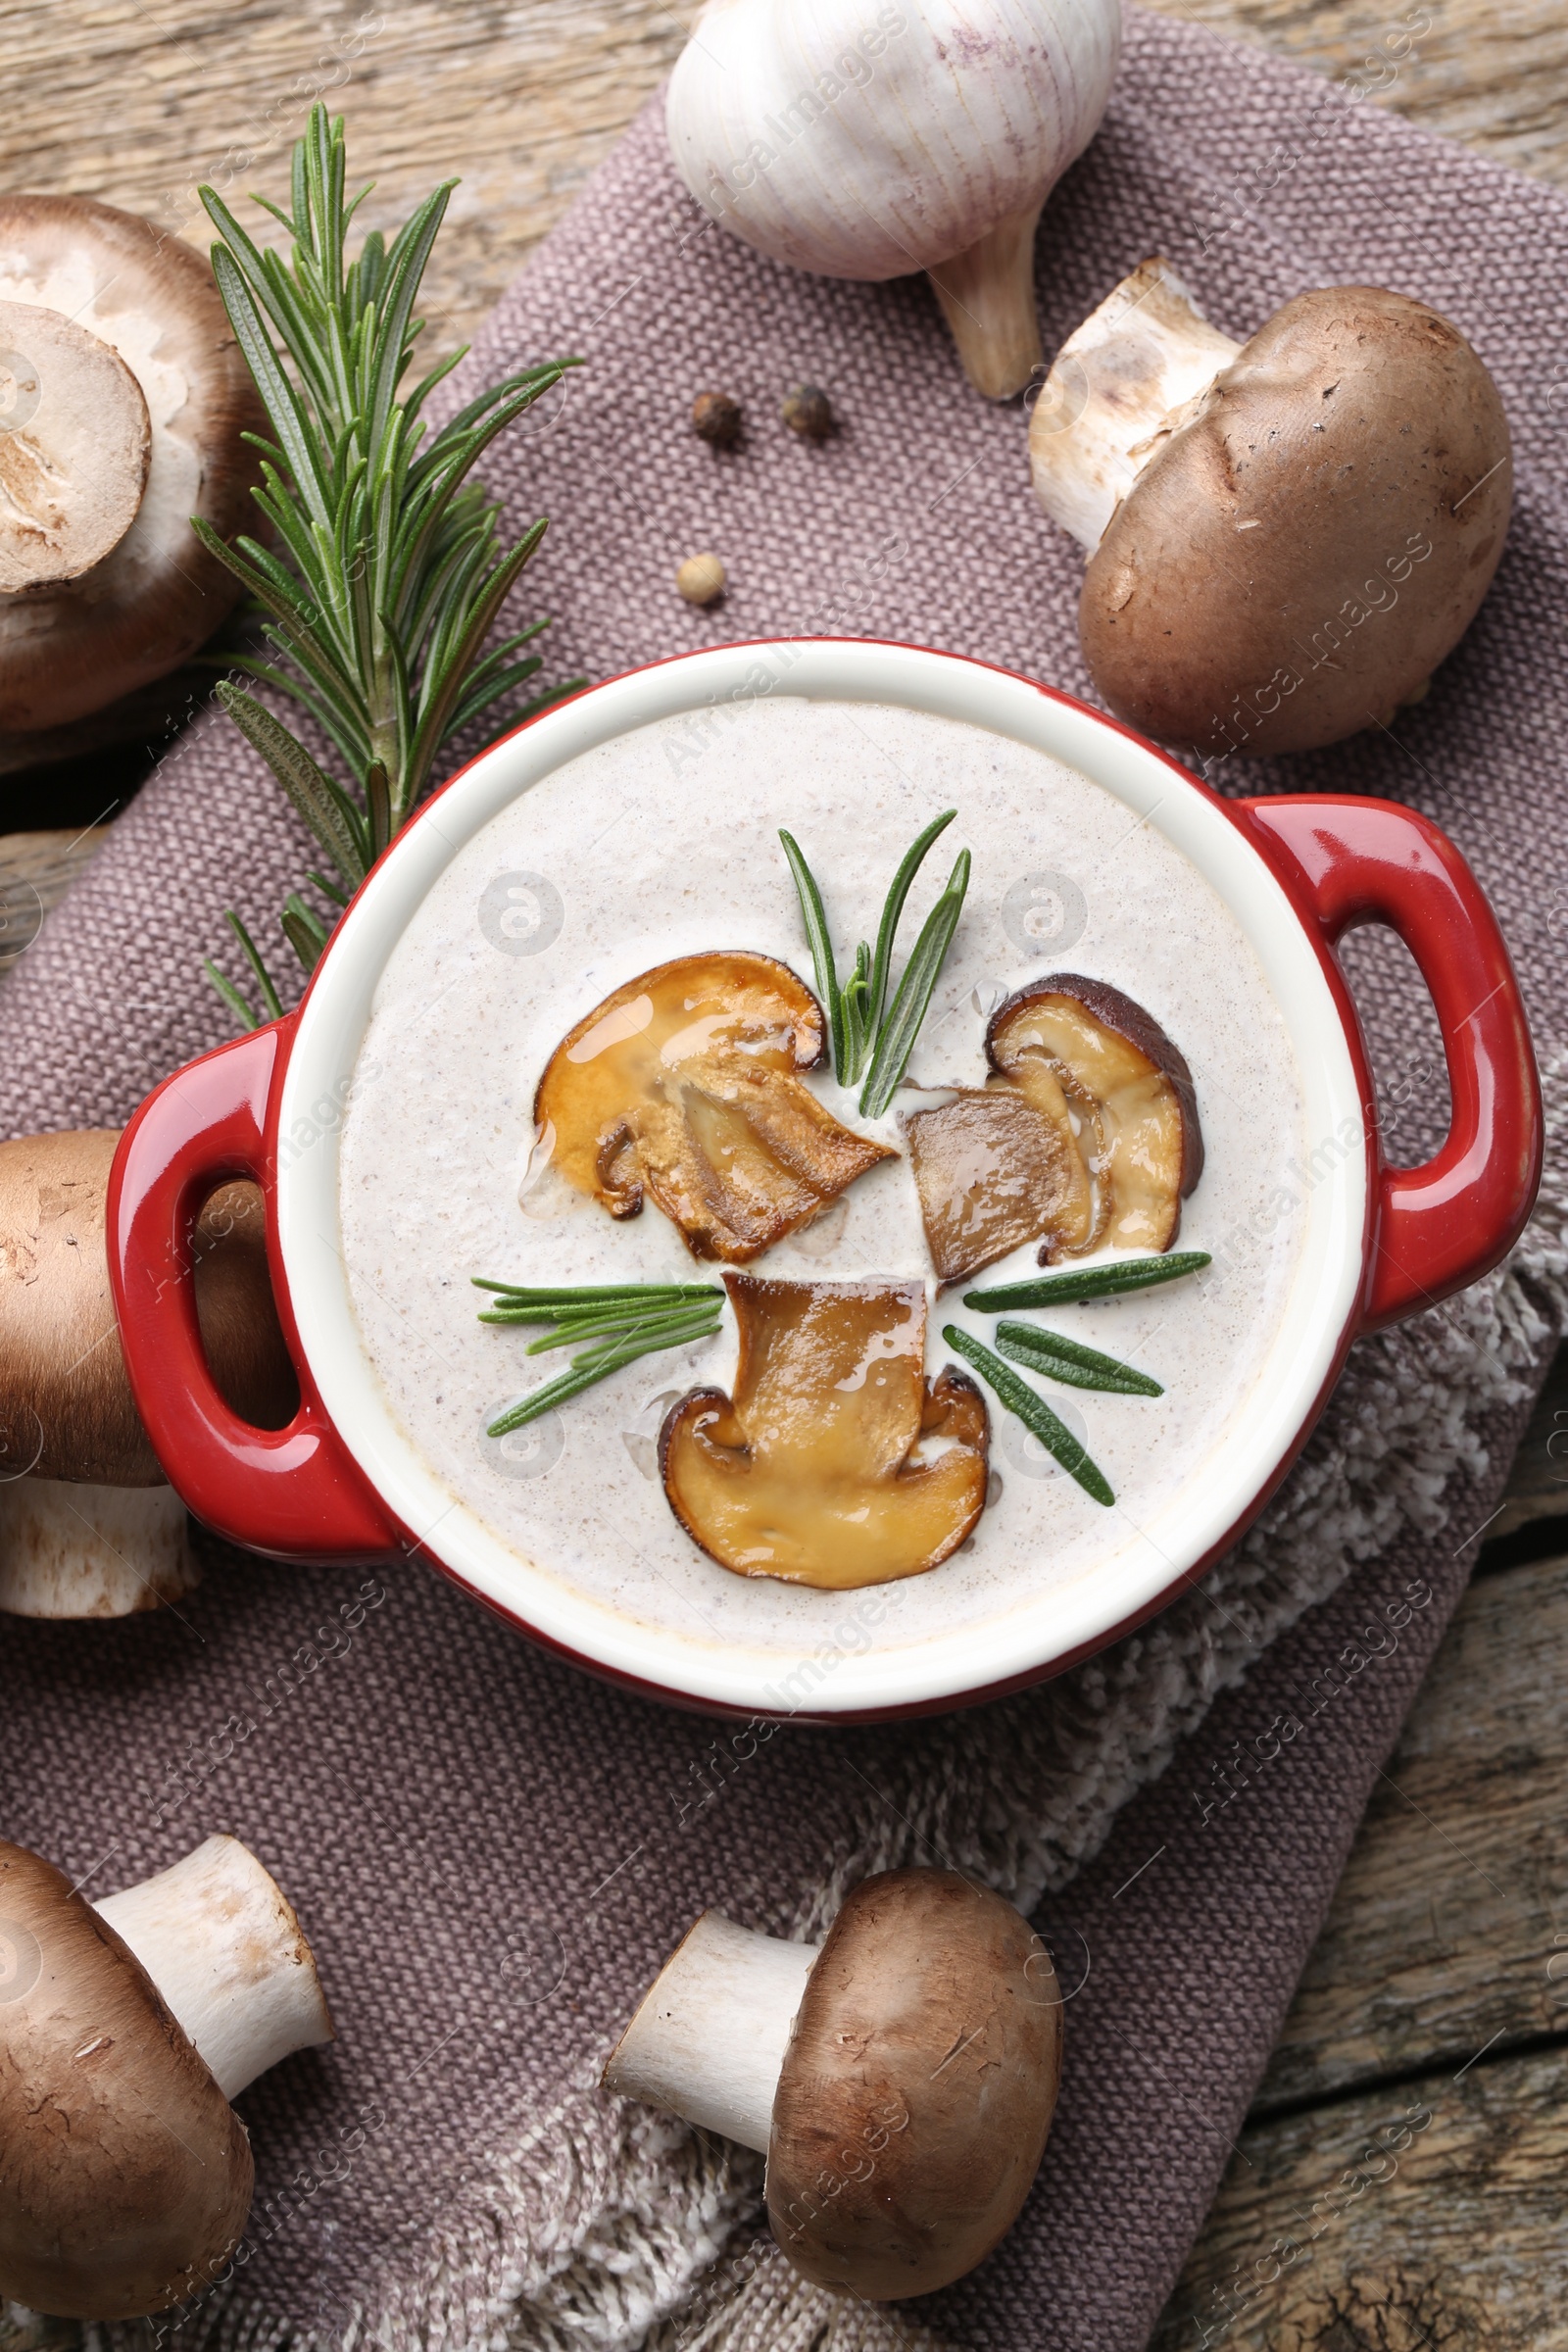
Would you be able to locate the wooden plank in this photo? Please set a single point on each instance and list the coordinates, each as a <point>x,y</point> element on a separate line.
<point>35,871</point>
<point>1404,2221</point>
<point>1440,1982</point>
<point>1497,78</point>
<point>1449,1928</point>
<point>523,97</point>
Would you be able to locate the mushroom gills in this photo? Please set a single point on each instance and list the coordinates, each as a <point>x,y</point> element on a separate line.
<point>684,1086</point>
<point>1069,1040</point>
<point>997,1167</point>
<point>835,1463</point>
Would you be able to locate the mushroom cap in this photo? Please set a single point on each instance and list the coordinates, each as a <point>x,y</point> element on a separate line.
<point>157,595</point>
<point>66,1407</point>
<point>1308,546</point>
<point>917,2088</point>
<point>74,453</point>
<point>124,2175</point>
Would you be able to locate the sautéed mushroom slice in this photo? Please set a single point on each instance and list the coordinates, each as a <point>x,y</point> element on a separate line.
<point>819,1469</point>
<point>1071,1044</point>
<point>684,1087</point>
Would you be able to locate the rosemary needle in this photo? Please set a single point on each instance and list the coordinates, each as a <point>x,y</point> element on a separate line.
<point>573,1334</point>
<point>895,1042</point>
<point>1071,1362</point>
<point>622,1321</point>
<point>514,1305</point>
<point>1090,1282</point>
<point>860,1027</point>
<point>1034,1412</point>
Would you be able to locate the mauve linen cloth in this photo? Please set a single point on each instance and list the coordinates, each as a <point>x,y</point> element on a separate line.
<point>492,1852</point>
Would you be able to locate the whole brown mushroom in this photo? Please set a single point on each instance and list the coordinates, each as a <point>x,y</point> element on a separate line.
<point>125,2028</point>
<point>1285,536</point>
<point>88,1526</point>
<point>900,2077</point>
<point>123,402</point>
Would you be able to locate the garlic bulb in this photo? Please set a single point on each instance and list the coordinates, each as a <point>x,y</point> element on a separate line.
<point>867,139</point>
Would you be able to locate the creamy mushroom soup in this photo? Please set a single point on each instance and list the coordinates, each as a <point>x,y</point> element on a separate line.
<point>663,843</point>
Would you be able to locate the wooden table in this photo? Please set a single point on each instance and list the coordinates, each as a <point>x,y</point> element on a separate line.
<point>1434,2011</point>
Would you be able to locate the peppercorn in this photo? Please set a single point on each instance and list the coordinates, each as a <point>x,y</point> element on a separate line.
<point>806,411</point>
<point>716,418</point>
<point>700,579</point>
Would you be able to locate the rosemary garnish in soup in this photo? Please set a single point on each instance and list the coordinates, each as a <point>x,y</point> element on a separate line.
<point>622,1321</point>
<point>1034,1412</point>
<point>860,1032</point>
<point>1071,1362</point>
<point>1090,1282</point>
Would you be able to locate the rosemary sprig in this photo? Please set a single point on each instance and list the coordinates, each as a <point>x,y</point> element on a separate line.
<point>1090,1282</point>
<point>860,1029</point>
<point>895,1042</point>
<point>1071,1362</point>
<point>624,1320</point>
<point>386,575</point>
<point>1034,1412</point>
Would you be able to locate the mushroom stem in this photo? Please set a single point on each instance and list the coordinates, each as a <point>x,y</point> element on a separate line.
<point>73,1550</point>
<point>220,1939</point>
<point>1116,391</point>
<point>987,295</point>
<point>707,2041</point>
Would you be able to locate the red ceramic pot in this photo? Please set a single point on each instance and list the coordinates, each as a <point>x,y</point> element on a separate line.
<point>342,1481</point>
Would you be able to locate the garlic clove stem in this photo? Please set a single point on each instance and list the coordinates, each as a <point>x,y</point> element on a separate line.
<point>1120,386</point>
<point>987,295</point>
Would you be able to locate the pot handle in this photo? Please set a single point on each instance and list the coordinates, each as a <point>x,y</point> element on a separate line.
<point>1347,861</point>
<point>294,1493</point>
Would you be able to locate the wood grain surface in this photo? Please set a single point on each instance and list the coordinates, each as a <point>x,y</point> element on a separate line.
<point>1400,2185</point>
<point>137,104</point>
<point>36,869</point>
<point>1425,2217</point>
<point>1444,1936</point>
<point>1440,1984</point>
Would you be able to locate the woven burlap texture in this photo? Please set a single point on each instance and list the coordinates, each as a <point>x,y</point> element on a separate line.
<point>494,1854</point>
